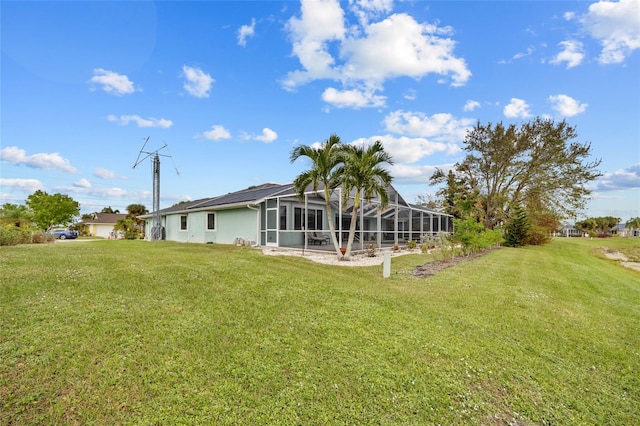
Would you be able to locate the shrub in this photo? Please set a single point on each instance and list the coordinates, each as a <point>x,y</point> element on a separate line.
<point>472,236</point>
<point>411,244</point>
<point>539,236</point>
<point>371,250</point>
<point>518,229</point>
<point>11,235</point>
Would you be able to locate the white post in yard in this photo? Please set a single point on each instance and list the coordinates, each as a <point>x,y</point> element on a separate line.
<point>386,265</point>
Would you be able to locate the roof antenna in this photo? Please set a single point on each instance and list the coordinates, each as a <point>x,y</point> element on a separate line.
<point>157,229</point>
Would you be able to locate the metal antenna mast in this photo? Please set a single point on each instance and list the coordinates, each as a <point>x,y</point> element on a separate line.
<point>156,230</point>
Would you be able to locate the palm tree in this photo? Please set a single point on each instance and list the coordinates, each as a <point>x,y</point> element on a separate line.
<point>362,173</point>
<point>18,215</point>
<point>326,160</point>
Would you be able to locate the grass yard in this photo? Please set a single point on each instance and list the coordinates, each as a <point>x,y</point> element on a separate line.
<point>132,332</point>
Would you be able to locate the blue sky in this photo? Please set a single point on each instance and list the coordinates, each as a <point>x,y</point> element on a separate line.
<point>232,86</point>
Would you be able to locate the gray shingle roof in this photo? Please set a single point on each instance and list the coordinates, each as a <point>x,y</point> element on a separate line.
<point>248,195</point>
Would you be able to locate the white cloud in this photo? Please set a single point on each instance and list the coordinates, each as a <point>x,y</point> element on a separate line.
<point>521,55</point>
<point>566,106</point>
<point>470,105</point>
<point>321,22</point>
<point>216,133</point>
<point>628,178</point>
<point>438,127</point>
<point>572,53</point>
<point>198,83</point>
<point>82,183</point>
<point>617,26</point>
<point>410,95</point>
<point>405,173</point>
<point>123,120</point>
<point>352,98</point>
<point>267,136</point>
<point>367,54</point>
<point>517,108</point>
<point>78,188</point>
<point>53,161</point>
<point>245,32</point>
<point>407,150</point>
<point>368,9</point>
<point>401,46</point>
<point>103,173</point>
<point>26,185</point>
<point>112,82</point>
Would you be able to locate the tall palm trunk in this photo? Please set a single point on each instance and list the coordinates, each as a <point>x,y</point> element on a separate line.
<point>352,225</point>
<point>330,219</point>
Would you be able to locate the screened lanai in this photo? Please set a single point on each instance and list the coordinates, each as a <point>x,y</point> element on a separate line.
<point>287,221</point>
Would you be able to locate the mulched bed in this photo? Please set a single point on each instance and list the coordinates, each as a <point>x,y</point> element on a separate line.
<point>431,268</point>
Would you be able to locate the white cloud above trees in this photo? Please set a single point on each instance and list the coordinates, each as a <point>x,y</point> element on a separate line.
<point>217,133</point>
<point>517,108</point>
<point>470,105</point>
<point>622,179</point>
<point>566,106</point>
<point>572,53</point>
<point>103,173</point>
<point>26,185</point>
<point>124,120</point>
<point>363,56</point>
<point>46,161</point>
<point>267,136</point>
<point>352,98</point>
<point>245,32</point>
<point>112,82</point>
<point>441,127</point>
<point>197,82</point>
<point>616,25</point>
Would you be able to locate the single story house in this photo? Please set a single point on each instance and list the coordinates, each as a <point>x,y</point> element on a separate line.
<point>569,231</point>
<point>101,224</point>
<point>622,230</point>
<point>272,215</point>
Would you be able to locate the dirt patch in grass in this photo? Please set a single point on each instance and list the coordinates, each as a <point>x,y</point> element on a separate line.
<point>621,258</point>
<point>432,268</point>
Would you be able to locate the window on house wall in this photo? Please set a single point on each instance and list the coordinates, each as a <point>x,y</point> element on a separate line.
<point>183,223</point>
<point>211,221</point>
<point>283,217</point>
<point>314,218</point>
<point>297,218</point>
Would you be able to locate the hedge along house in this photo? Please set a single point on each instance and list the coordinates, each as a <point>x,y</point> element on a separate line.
<point>272,215</point>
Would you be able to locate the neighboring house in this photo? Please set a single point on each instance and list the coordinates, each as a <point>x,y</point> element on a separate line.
<point>570,231</point>
<point>622,230</point>
<point>272,215</point>
<point>101,224</point>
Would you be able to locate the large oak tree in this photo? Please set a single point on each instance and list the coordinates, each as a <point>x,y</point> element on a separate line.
<point>52,209</point>
<point>538,165</point>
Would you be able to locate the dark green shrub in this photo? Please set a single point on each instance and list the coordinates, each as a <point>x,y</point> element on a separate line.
<point>518,229</point>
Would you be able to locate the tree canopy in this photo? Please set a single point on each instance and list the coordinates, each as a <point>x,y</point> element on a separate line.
<point>356,169</point>
<point>52,209</point>
<point>136,209</point>
<point>363,175</point>
<point>537,165</point>
<point>17,215</point>
<point>597,225</point>
<point>325,161</point>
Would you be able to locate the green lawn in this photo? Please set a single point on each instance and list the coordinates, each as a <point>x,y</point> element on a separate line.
<point>132,332</point>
